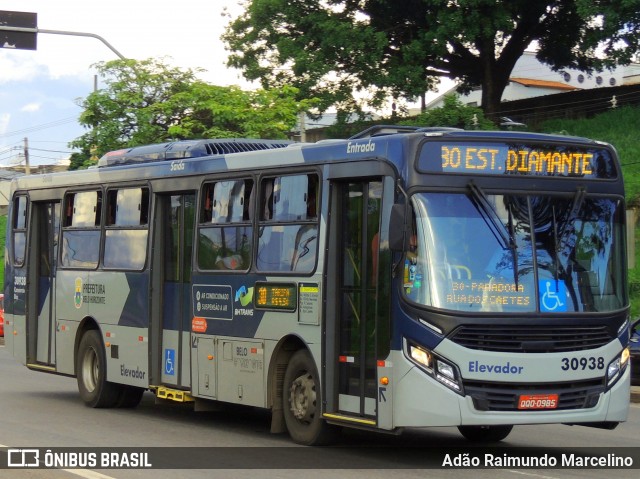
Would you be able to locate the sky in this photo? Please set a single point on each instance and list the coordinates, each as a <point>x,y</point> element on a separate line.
<point>40,90</point>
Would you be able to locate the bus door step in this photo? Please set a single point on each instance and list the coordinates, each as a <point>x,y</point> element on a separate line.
<point>169,394</point>
<point>353,420</point>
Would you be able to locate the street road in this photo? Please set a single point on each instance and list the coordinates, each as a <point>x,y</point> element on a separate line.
<point>43,410</point>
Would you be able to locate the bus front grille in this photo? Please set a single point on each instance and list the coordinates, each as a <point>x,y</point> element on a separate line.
<point>488,396</point>
<point>531,339</point>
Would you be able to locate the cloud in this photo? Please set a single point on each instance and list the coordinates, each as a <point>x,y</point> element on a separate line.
<point>190,35</point>
<point>39,89</point>
<point>17,67</point>
<point>4,122</point>
<point>31,107</point>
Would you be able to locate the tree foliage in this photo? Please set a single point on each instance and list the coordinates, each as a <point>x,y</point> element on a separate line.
<point>331,48</point>
<point>453,113</point>
<point>149,101</point>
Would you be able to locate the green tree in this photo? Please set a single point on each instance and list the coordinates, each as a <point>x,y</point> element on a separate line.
<point>148,101</point>
<point>80,161</point>
<point>332,48</point>
<point>453,114</point>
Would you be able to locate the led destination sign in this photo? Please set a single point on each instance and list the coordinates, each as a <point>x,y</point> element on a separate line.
<point>276,296</point>
<point>506,159</point>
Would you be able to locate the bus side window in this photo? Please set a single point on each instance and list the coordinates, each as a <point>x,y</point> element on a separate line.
<point>20,213</point>
<point>19,223</point>
<point>312,198</point>
<point>267,198</point>
<point>86,208</point>
<point>288,225</point>
<point>68,212</point>
<point>81,229</point>
<point>225,232</point>
<point>125,244</point>
<point>125,207</point>
<point>229,200</point>
<point>290,198</point>
<point>206,212</point>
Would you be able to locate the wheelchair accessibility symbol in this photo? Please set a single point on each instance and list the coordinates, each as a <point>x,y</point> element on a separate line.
<point>553,296</point>
<point>170,362</point>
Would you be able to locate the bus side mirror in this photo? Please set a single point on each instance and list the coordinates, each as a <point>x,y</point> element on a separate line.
<point>397,228</point>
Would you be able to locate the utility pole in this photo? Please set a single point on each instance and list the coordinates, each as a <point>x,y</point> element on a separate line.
<point>27,167</point>
<point>303,130</point>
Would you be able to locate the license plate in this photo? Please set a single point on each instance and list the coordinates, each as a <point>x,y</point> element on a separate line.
<point>538,401</point>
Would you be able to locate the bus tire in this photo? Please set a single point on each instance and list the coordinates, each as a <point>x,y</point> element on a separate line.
<point>129,397</point>
<point>91,370</point>
<point>485,433</point>
<point>301,399</point>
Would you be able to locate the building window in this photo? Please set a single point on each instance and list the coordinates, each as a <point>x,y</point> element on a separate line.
<point>566,76</point>
<point>599,80</point>
<point>581,78</point>
<point>612,81</point>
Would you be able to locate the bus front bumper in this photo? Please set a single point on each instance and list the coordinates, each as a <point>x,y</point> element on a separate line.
<point>421,401</point>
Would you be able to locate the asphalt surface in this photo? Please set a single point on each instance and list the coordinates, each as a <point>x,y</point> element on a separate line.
<point>635,390</point>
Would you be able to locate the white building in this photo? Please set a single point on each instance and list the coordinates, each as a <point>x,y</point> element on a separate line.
<point>530,79</point>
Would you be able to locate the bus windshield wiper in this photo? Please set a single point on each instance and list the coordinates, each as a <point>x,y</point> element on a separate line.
<point>504,235</point>
<point>556,243</point>
<point>576,204</point>
<point>578,199</point>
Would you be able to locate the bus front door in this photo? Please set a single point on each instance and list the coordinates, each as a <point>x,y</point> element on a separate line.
<point>175,215</point>
<point>358,239</point>
<point>45,221</point>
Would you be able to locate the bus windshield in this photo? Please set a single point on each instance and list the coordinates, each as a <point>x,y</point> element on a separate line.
<point>515,253</point>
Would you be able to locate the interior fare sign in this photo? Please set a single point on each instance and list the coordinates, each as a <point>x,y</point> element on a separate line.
<point>509,159</point>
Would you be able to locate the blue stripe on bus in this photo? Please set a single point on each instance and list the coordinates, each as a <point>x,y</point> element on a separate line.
<point>405,326</point>
<point>44,289</point>
<point>136,307</point>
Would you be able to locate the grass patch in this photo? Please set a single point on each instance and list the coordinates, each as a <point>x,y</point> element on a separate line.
<point>615,127</point>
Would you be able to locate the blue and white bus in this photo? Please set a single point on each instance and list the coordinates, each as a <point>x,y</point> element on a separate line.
<point>403,278</point>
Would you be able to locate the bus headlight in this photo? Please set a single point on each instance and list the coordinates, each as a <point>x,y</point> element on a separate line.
<point>437,367</point>
<point>447,374</point>
<point>617,367</point>
<point>420,356</point>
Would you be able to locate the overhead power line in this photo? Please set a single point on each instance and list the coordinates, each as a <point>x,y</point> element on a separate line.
<point>43,126</point>
<point>50,151</point>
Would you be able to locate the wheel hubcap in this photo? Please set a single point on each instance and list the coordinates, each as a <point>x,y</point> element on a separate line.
<point>302,398</point>
<point>90,370</point>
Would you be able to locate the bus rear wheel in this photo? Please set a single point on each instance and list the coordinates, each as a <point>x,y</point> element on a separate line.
<point>91,370</point>
<point>129,397</point>
<point>301,400</point>
<point>485,433</point>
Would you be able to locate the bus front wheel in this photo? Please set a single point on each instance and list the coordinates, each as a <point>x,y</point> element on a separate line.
<point>301,401</point>
<point>485,433</point>
<point>91,370</point>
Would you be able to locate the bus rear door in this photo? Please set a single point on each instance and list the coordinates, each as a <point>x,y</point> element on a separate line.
<point>41,308</point>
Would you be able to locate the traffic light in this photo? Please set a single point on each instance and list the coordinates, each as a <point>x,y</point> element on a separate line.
<point>12,34</point>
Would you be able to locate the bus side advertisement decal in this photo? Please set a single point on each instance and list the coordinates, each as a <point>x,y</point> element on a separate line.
<point>213,301</point>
